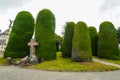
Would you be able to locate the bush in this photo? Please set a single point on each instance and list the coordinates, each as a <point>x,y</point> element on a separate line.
<point>20,35</point>
<point>94,40</point>
<point>68,36</point>
<point>108,44</point>
<point>81,49</point>
<point>45,35</point>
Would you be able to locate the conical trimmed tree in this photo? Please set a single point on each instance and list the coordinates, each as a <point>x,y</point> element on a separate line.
<point>20,35</point>
<point>94,40</point>
<point>68,36</point>
<point>108,43</point>
<point>45,35</point>
<point>81,49</point>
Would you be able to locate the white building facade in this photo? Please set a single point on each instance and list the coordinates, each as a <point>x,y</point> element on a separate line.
<point>3,41</point>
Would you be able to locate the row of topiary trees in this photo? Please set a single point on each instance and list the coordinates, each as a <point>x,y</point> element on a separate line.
<point>22,31</point>
<point>81,42</point>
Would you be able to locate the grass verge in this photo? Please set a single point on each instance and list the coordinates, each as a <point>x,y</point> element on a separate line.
<point>61,64</point>
<point>2,61</point>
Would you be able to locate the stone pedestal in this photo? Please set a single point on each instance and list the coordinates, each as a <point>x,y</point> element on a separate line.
<point>33,59</point>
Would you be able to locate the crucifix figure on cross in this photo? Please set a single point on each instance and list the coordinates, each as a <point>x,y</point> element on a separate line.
<point>10,22</point>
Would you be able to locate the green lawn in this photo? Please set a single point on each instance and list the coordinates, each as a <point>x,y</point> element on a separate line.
<point>61,64</point>
<point>2,61</point>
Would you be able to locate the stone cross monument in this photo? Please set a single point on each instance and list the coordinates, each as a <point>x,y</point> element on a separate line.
<point>33,45</point>
<point>33,58</point>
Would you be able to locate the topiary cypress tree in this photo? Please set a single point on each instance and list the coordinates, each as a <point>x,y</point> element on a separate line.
<point>45,35</point>
<point>118,34</point>
<point>58,42</point>
<point>20,35</point>
<point>68,36</point>
<point>94,40</point>
<point>81,49</point>
<point>108,44</point>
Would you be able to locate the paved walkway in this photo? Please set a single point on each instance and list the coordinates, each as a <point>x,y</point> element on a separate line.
<point>107,63</point>
<point>17,73</point>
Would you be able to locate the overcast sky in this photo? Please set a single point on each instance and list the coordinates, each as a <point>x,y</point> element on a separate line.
<point>93,12</point>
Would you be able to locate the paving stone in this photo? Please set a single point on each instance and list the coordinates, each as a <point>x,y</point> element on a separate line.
<point>17,73</point>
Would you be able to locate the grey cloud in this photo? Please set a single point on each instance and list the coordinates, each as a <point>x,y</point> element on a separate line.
<point>7,4</point>
<point>108,5</point>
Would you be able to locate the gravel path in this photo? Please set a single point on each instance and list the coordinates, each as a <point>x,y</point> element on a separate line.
<point>17,73</point>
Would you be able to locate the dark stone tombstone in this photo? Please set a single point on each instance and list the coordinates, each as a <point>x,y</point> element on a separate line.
<point>24,62</point>
<point>9,61</point>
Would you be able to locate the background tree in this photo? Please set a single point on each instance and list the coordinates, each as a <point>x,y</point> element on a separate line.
<point>20,35</point>
<point>45,35</point>
<point>68,36</point>
<point>118,35</point>
<point>58,42</point>
<point>108,44</point>
<point>81,49</point>
<point>94,40</point>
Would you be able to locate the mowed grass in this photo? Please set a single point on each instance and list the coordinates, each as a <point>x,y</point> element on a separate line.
<point>2,61</point>
<point>63,64</point>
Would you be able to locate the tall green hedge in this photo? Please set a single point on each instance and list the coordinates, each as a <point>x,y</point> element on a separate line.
<point>68,36</point>
<point>108,44</point>
<point>94,40</point>
<point>118,34</point>
<point>22,31</point>
<point>45,35</point>
<point>81,49</point>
